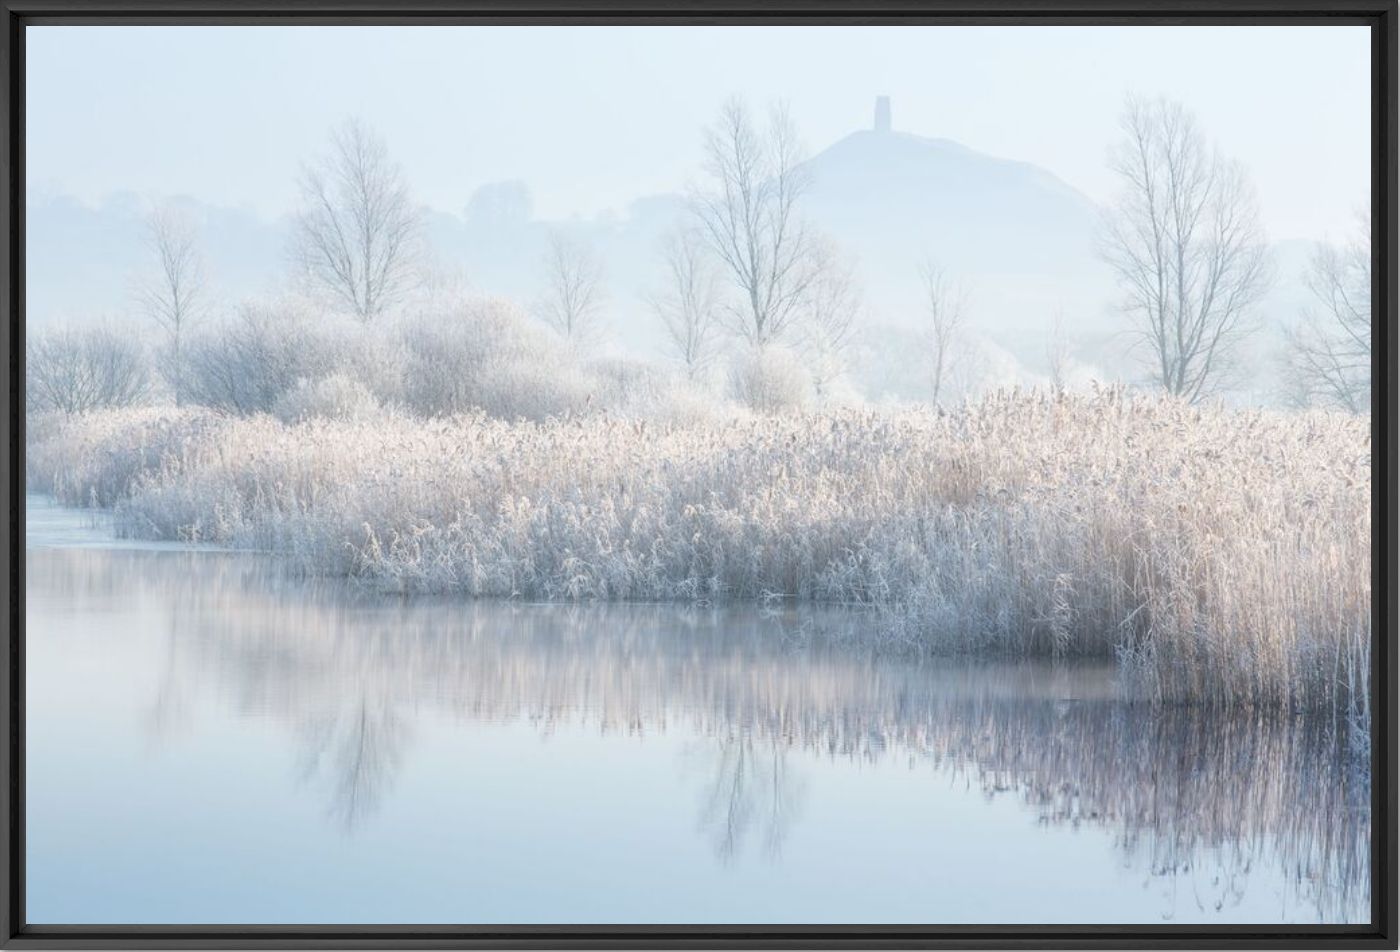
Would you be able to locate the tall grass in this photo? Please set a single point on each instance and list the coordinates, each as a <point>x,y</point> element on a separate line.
<point>1220,556</point>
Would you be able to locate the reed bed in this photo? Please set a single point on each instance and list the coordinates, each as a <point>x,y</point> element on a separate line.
<point>1220,556</point>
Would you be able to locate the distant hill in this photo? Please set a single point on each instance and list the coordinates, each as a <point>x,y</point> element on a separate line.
<point>964,205</point>
<point>1019,240</point>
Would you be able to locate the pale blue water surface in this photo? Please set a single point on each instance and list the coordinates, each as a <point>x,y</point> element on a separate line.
<point>212,741</point>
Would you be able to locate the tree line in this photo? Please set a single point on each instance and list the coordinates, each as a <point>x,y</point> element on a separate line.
<point>748,276</point>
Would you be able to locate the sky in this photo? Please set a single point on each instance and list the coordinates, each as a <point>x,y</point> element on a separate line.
<point>593,117</point>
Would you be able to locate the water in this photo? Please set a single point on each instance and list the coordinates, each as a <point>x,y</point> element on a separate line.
<point>211,741</point>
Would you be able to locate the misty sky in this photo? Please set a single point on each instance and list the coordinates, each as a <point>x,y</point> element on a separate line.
<point>592,117</point>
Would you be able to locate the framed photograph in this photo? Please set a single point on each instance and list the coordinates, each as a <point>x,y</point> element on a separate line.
<point>712,474</point>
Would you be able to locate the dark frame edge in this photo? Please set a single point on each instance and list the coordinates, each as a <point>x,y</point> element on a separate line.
<point>1384,930</point>
<point>1385,671</point>
<point>693,12</point>
<point>11,317</point>
<point>698,937</point>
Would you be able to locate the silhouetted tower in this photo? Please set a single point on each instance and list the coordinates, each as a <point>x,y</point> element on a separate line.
<point>882,113</point>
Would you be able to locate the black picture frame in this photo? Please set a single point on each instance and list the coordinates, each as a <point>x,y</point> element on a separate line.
<point>1379,15</point>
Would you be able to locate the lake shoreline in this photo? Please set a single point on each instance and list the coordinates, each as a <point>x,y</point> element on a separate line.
<point>1228,569</point>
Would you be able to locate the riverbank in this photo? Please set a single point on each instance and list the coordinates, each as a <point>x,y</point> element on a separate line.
<point>1219,556</point>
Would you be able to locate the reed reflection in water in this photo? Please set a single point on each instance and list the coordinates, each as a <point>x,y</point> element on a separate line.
<point>771,707</point>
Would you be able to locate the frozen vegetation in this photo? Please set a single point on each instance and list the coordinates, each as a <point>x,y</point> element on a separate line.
<point>1219,555</point>
<point>383,424</point>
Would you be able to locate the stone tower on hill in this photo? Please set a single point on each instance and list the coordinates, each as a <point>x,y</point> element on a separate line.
<point>882,113</point>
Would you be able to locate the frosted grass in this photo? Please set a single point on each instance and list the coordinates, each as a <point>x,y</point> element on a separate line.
<point>1220,556</point>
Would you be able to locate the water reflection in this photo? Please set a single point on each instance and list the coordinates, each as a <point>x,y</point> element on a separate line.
<point>354,751</point>
<point>750,785</point>
<point>1196,801</point>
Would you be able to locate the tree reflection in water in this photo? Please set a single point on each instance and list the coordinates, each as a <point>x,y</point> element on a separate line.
<point>750,783</point>
<point>1198,797</point>
<point>356,750</point>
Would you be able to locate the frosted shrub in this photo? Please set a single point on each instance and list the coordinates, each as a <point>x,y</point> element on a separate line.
<point>769,380</point>
<point>1219,556</point>
<point>371,356</point>
<point>620,381</point>
<point>337,397</point>
<point>525,390</point>
<point>486,355</point>
<point>635,390</point>
<point>247,364</point>
<point>450,354</point>
<point>72,370</point>
<point>443,356</point>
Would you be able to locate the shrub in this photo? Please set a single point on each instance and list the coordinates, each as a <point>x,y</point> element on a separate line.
<point>249,363</point>
<point>487,355</point>
<point>337,397</point>
<point>449,355</point>
<point>73,370</point>
<point>636,390</point>
<point>769,380</point>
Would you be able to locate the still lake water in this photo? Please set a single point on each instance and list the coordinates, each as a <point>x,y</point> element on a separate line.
<point>212,741</point>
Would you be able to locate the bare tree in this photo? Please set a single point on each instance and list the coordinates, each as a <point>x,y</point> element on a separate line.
<point>173,293</point>
<point>830,309</point>
<point>1187,245</point>
<point>73,371</point>
<point>689,306</point>
<point>355,233</point>
<point>1329,352</point>
<point>1057,352</point>
<point>748,215</point>
<point>573,297</point>
<point>945,302</point>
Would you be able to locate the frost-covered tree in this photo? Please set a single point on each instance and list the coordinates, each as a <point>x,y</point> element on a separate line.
<point>1329,352</point>
<point>356,231</point>
<point>572,301</point>
<point>1188,247</point>
<point>73,370</point>
<point>945,305</point>
<point>1057,352</point>
<point>173,292</point>
<point>830,310</point>
<point>688,307</point>
<point>748,213</point>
